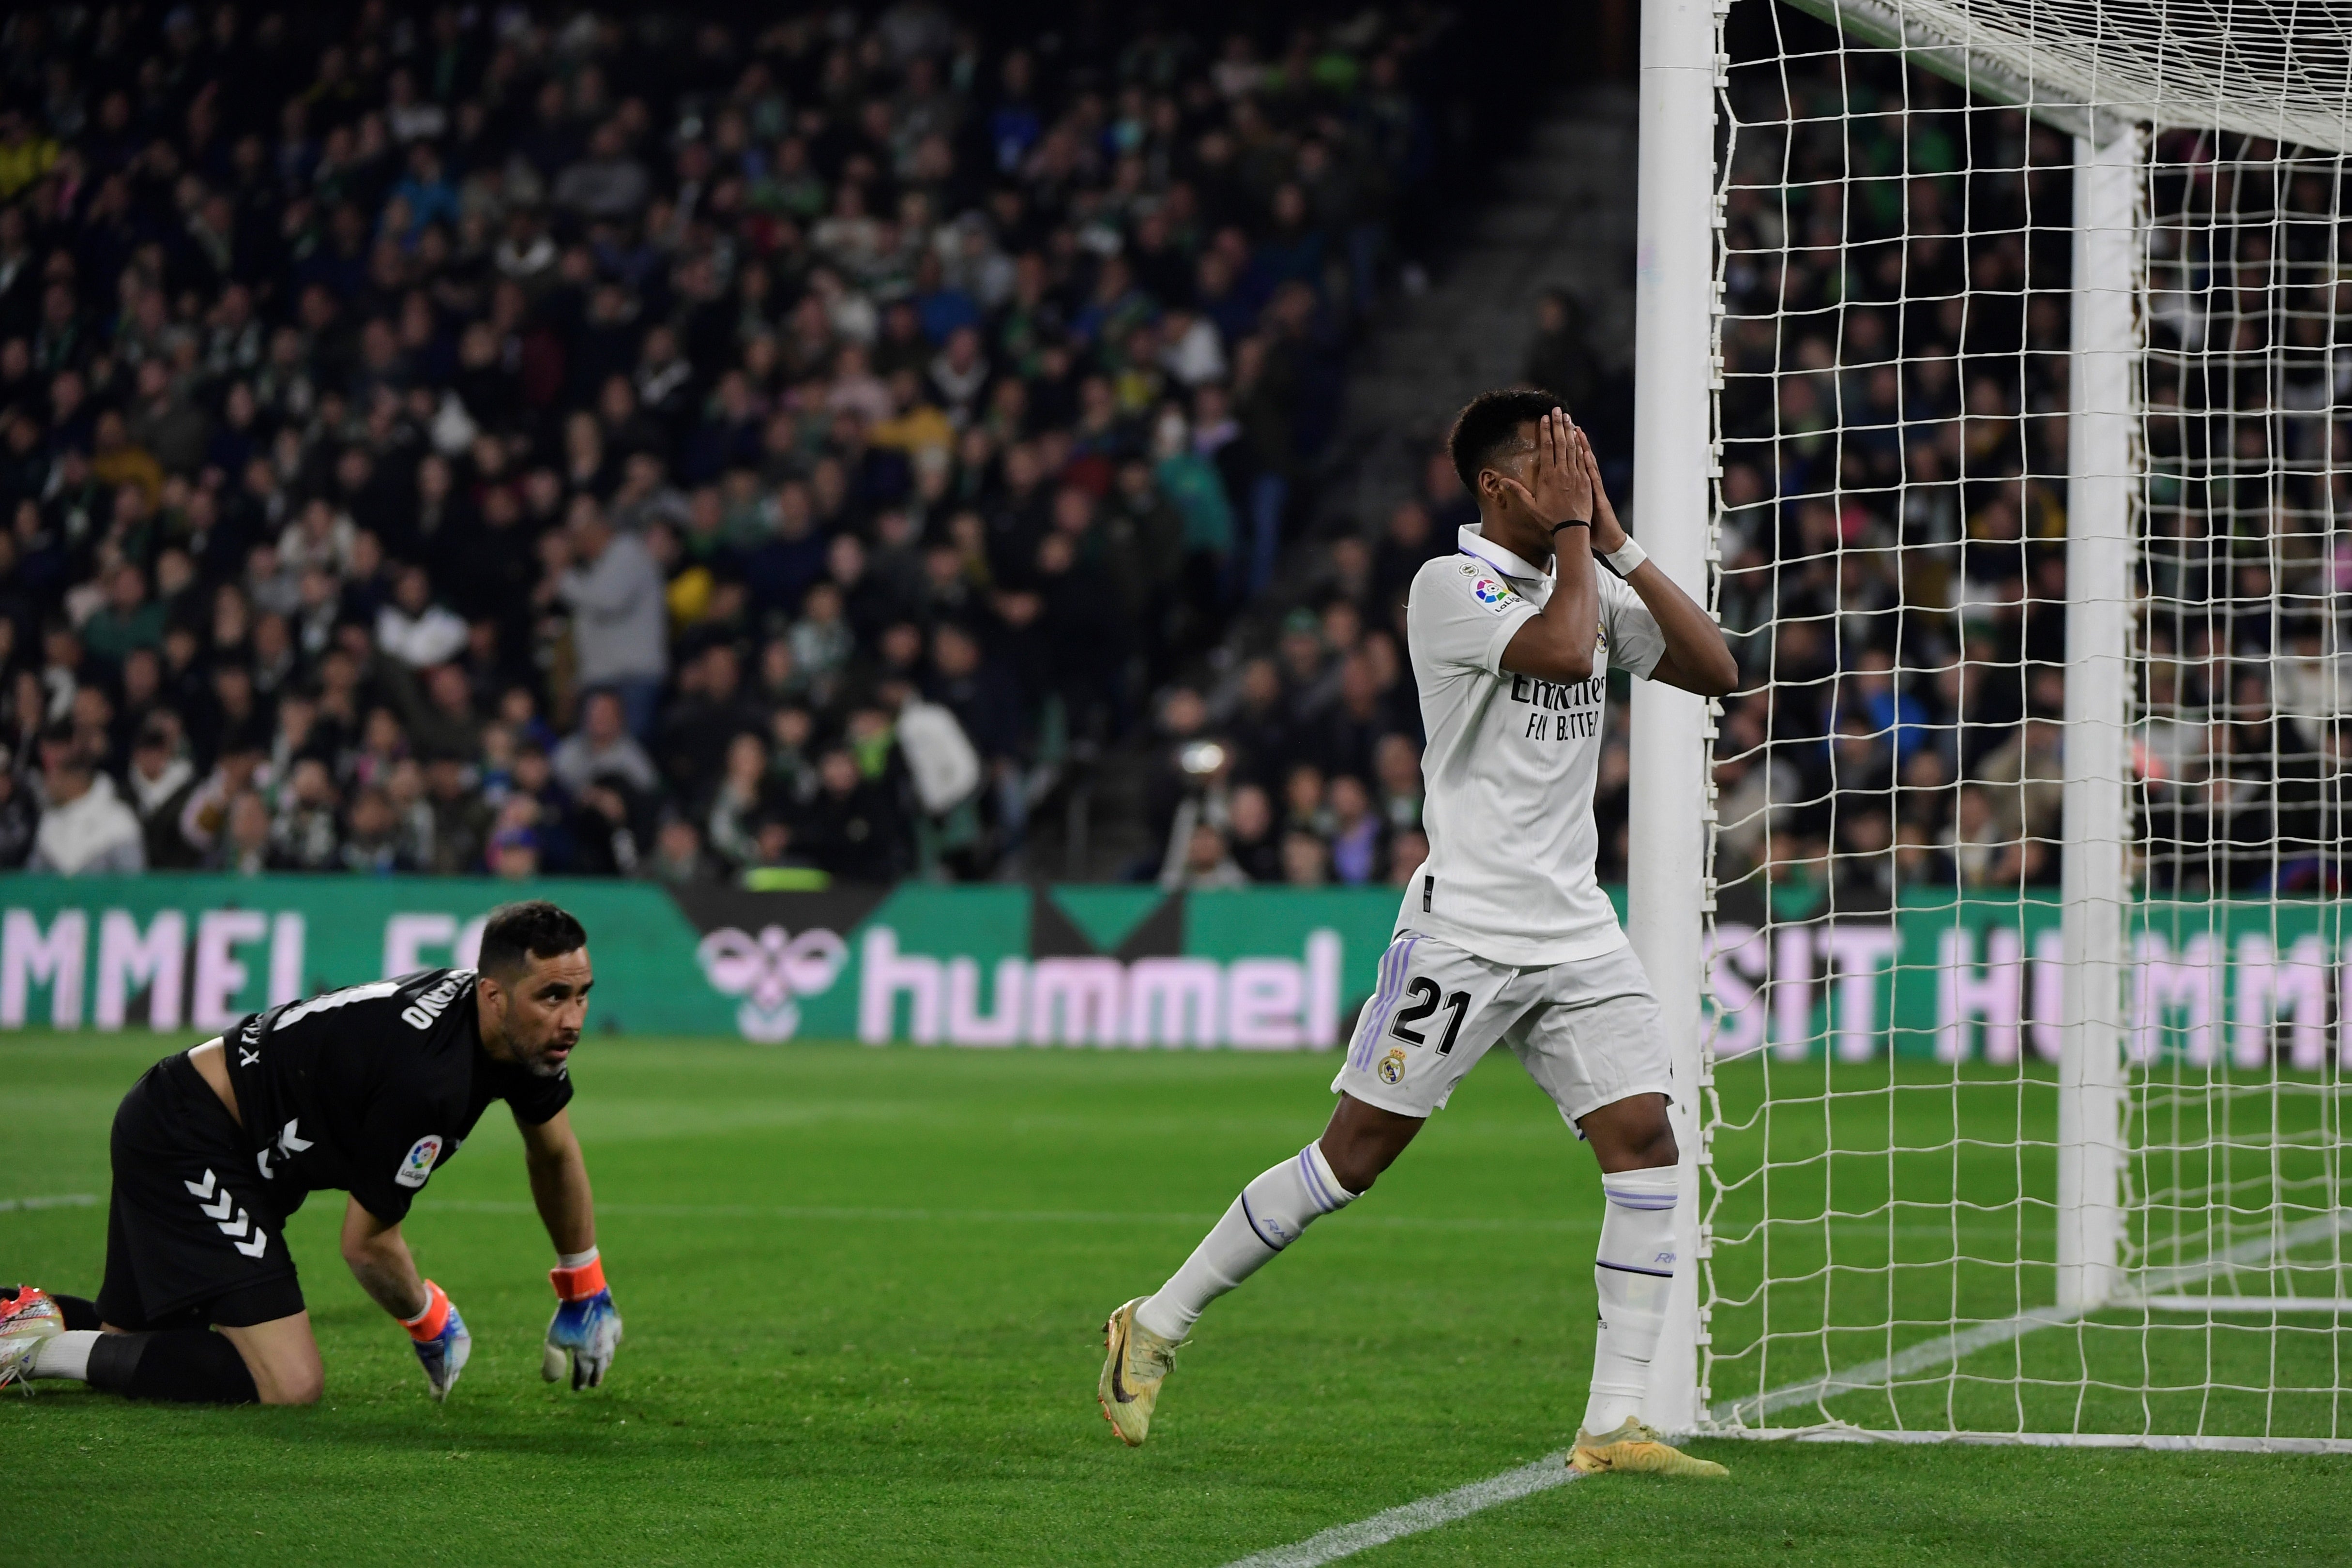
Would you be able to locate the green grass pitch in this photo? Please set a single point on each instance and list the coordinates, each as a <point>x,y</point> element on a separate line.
<point>863,1290</point>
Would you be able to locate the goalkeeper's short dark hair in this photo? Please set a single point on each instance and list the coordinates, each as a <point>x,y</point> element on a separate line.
<point>1489,423</point>
<point>518,933</point>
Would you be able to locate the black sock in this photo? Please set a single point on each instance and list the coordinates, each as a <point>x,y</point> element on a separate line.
<point>189,1366</point>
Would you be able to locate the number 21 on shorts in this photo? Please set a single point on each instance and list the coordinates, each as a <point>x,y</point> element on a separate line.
<point>1411,1020</point>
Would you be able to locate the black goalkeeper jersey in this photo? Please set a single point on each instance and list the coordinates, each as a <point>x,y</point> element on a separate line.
<point>370,1089</point>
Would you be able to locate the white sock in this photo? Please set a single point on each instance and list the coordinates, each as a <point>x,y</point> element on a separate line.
<point>1632,1274</point>
<point>1266,1217</point>
<point>66,1356</point>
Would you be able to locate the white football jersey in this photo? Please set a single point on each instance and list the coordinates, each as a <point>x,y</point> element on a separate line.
<point>1512,761</point>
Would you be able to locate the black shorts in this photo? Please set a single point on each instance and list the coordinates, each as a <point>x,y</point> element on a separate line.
<point>192,1237</point>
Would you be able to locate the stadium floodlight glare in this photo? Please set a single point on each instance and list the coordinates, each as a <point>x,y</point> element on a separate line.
<point>1201,759</point>
<point>2013,339</point>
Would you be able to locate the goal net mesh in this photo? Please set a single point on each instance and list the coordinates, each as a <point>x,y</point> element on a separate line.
<point>1894,261</point>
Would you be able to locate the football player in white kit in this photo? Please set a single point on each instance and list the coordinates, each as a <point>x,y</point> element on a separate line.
<point>1505,937</point>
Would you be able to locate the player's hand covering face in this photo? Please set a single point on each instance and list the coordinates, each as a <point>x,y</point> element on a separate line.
<point>1554,480</point>
<point>542,1011</point>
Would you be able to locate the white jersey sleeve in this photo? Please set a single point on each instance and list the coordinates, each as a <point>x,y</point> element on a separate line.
<point>1465,614</point>
<point>1512,762</point>
<point>1630,631</point>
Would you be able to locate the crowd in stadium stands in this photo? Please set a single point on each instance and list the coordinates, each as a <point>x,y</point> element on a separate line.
<point>1305,764</point>
<point>1892,490</point>
<point>2242,746</point>
<point>1895,500</point>
<point>478,440</point>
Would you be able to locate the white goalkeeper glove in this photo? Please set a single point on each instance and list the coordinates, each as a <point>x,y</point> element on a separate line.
<point>441,1340</point>
<point>586,1328</point>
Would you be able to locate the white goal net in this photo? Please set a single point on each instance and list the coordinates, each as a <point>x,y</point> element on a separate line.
<point>2025,1110</point>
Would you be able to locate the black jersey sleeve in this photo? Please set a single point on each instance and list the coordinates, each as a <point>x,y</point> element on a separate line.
<point>533,1099</point>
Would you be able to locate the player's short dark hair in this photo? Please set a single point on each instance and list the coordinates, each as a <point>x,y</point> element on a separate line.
<point>518,933</point>
<point>1489,423</point>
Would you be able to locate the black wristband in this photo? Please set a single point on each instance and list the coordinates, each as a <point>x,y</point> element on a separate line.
<point>1572,523</point>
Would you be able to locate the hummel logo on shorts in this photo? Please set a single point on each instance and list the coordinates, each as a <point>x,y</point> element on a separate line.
<point>219,1214</point>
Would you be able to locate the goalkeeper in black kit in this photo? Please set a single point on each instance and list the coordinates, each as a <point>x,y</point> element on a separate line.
<point>366,1090</point>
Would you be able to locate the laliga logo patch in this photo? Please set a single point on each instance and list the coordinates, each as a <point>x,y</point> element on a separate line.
<point>1392,1068</point>
<point>1491,593</point>
<point>768,971</point>
<point>418,1163</point>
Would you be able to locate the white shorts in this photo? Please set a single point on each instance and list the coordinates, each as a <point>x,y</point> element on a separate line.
<point>1586,1031</point>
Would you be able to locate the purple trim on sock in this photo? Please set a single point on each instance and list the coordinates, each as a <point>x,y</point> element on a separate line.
<point>1315,1189</point>
<point>1641,1200</point>
<point>1253,1223</point>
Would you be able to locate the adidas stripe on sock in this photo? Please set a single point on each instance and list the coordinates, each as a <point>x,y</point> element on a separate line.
<point>1270,1214</point>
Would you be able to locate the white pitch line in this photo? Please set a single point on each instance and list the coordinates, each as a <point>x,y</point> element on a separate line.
<point>2156,1442</point>
<point>1445,1507</point>
<point>1413,1518</point>
<point>1951,1347</point>
<point>1006,1215</point>
<point>1962,1343</point>
<point>61,1200</point>
<point>2242,1304</point>
<point>2258,1249</point>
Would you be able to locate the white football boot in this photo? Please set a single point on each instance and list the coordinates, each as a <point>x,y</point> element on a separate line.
<point>24,1323</point>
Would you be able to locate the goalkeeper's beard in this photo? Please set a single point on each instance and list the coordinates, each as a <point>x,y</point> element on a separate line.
<point>545,1059</point>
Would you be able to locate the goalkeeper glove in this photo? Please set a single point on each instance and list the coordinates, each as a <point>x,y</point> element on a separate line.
<point>586,1329</point>
<point>441,1340</point>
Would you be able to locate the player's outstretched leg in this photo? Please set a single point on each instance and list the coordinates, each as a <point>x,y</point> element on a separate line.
<point>56,1338</point>
<point>1632,1273</point>
<point>1140,1341</point>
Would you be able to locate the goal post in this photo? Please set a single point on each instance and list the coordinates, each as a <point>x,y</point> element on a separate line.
<point>1672,458</point>
<point>1993,374</point>
<point>2095,893</point>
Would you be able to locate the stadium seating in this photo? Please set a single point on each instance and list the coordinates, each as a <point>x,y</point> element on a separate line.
<point>475,441</point>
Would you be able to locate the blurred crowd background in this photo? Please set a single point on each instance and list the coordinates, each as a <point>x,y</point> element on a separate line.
<point>892,442</point>
<point>471,439</point>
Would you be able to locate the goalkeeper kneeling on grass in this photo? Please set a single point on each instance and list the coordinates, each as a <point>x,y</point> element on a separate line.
<point>366,1090</point>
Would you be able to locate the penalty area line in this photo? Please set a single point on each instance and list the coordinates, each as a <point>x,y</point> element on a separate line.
<point>1413,1518</point>
<point>58,1200</point>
